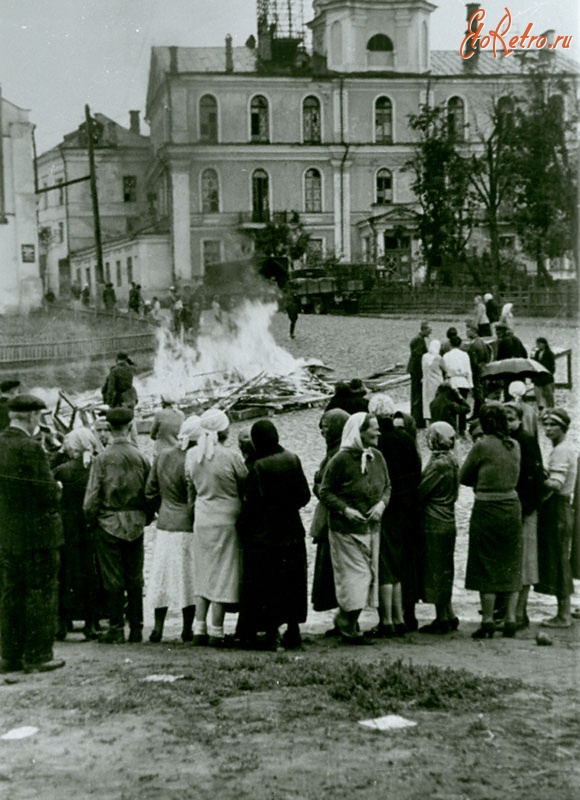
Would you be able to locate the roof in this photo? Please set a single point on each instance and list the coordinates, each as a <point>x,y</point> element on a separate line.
<point>114,135</point>
<point>449,62</point>
<point>206,59</point>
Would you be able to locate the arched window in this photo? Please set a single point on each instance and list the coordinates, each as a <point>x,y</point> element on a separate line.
<point>210,191</point>
<point>383,121</point>
<point>505,112</point>
<point>380,51</point>
<point>260,201</point>
<point>336,42</point>
<point>259,126</point>
<point>311,133</point>
<point>456,118</point>
<point>384,188</point>
<point>208,119</point>
<point>312,191</point>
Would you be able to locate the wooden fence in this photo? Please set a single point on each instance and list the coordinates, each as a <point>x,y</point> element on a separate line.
<point>23,354</point>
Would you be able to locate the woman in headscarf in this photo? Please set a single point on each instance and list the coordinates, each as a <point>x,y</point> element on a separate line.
<point>274,589</point>
<point>78,585</point>
<point>517,391</point>
<point>438,493</point>
<point>555,518</point>
<point>433,376</point>
<point>166,424</point>
<point>398,552</point>
<point>323,592</point>
<point>480,318</point>
<point>355,490</point>
<point>530,491</point>
<point>494,559</point>
<point>217,474</point>
<point>507,317</point>
<point>171,582</point>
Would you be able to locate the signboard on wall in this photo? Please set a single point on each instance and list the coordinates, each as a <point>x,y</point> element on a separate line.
<point>28,253</point>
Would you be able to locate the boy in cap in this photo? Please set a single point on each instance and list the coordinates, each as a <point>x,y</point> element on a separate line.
<point>8,390</point>
<point>30,538</point>
<point>116,508</point>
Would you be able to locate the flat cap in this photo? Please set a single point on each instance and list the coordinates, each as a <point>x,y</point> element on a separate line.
<point>26,402</point>
<point>119,416</point>
<point>8,384</point>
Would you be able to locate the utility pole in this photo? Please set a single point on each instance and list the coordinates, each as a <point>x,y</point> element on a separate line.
<point>95,197</point>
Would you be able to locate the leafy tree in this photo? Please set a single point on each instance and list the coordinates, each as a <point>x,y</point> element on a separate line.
<point>441,184</point>
<point>279,243</point>
<point>545,188</point>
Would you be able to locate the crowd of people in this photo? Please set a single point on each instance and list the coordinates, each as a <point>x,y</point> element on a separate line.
<point>229,534</point>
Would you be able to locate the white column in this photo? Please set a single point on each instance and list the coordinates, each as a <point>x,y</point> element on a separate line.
<point>337,207</point>
<point>181,230</point>
<point>346,236</point>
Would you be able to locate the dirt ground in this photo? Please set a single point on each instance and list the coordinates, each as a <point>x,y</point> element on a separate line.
<point>495,719</point>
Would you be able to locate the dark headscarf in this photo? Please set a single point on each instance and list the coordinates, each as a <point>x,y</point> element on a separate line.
<point>334,420</point>
<point>265,439</point>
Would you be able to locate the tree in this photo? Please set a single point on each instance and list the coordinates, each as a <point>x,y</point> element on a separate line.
<point>279,243</point>
<point>442,186</point>
<point>545,187</point>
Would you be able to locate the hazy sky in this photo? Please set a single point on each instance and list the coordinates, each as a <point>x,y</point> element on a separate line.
<point>57,55</point>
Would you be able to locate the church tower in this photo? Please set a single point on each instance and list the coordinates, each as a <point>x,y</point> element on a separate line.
<point>372,35</point>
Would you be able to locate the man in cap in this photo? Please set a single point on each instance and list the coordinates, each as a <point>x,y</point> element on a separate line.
<point>116,508</point>
<point>30,538</point>
<point>118,389</point>
<point>8,390</point>
<point>418,348</point>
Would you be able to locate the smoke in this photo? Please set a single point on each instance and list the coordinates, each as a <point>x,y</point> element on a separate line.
<point>232,347</point>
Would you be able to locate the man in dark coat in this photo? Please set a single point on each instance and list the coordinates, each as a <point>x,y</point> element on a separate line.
<point>118,389</point>
<point>293,310</point>
<point>418,347</point>
<point>30,538</point>
<point>8,390</point>
<point>479,355</point>
<point>491,308</point>
<point>508,344</point>
<point>109,297</point>
<point>115,506</point>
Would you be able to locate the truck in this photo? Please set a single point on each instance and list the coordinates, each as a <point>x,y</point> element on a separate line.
<point>321,291</point>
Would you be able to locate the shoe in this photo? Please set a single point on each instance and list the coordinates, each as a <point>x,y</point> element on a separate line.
<point>221,642</point>
<point>332,633</point>
<point>44,666</point>
<point>292,642</point>
<point>112,636</point>
<point>438,626</point>
<point>400,629</point>
<point>509,630</point>
<point>412,625</point>
<point>200,639</point>
<point>155,636</point>
<point>486,631</point>
<point>186,636</point>
<point>10,666</point>
<point>382,631</point>
<point>135,636</point>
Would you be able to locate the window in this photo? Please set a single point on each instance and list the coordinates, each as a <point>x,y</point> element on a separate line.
<point>107,271</point>
<point>129,269</point>
<point>260,201</point>
<point>88,276</point>
<point>60,192</point>
<point>129,189</point>
<point>61,232</point>
<point>119,273</point>
<point>505,112</point>
<point>336,42</point>
<point>311,132</point>
<point>380,51</point>
<point>208,119</point>
<point>210,195</point>
<point>384,187</point>
<point>383,121</point>
<point>456,118</point>
<point>78,277</point>
<point>259,126</point>
<point>211,252</point>
<point>312,191</point>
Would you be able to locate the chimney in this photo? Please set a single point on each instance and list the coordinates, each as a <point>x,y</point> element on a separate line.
<point>229,54</point>
<point>173,60</point>
<point>134,122</point>
<point>547,51</point>
<point>471,9</point>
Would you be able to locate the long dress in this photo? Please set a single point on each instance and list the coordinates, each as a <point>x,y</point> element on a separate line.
<point>171,582</point>
<point>274,585</point>
<point>433,377</point>
<point>216,547</point>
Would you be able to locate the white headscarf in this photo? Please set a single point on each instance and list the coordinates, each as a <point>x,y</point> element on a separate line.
<point>189,431</point>
<point>212,422</point>
<point>487,296</point>
<point>351,439</point>
<point>382,405</point>
<point>433,351</point>
<point>81,441</point>
<point>517,389</point>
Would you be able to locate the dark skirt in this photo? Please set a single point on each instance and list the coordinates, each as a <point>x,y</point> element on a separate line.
<point>323,590</point>
<point>438,566</point>
<point>401,552</point>
<point>554,547</point>
<point>494,558</point>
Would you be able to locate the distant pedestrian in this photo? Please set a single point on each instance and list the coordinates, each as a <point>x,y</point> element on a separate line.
<point>507,317</point>
<point>479,356</point>
<point>544,383</point>
<point>418,347</point>
<point>293,310</point>
<point>155,309</point>
<point>109,298</point>
<point>433,375</point>
<point>118,389</point>
<point>86,295</point>
<point>491,308</point>
<point>480,318</point>
<point>508,344</point>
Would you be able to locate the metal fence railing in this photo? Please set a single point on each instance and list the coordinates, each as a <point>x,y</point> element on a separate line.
<point>29,353</point>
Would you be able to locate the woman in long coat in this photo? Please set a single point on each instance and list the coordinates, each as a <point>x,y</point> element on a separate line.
<point>217,474</point>
<point>438,493</point>
<point>171,583</point>
<point>78,584</point>
<point>323,592</point>
<point>355,490</point>
<point>494,559</point>
<point>274,588</point>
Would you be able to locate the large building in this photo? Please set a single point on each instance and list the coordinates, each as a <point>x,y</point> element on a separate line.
<point>244,135</point>
<point>21,287</point>
<point>65,212</point>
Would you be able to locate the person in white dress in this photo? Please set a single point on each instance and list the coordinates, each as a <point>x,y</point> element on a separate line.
<point>457,367</point>
<point>433,375</point>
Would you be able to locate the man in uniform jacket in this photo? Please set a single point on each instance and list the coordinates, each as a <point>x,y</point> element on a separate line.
<point>116,508</point>
<point>30,538</point>
<point>118,389</point>
<point>418,347</point>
